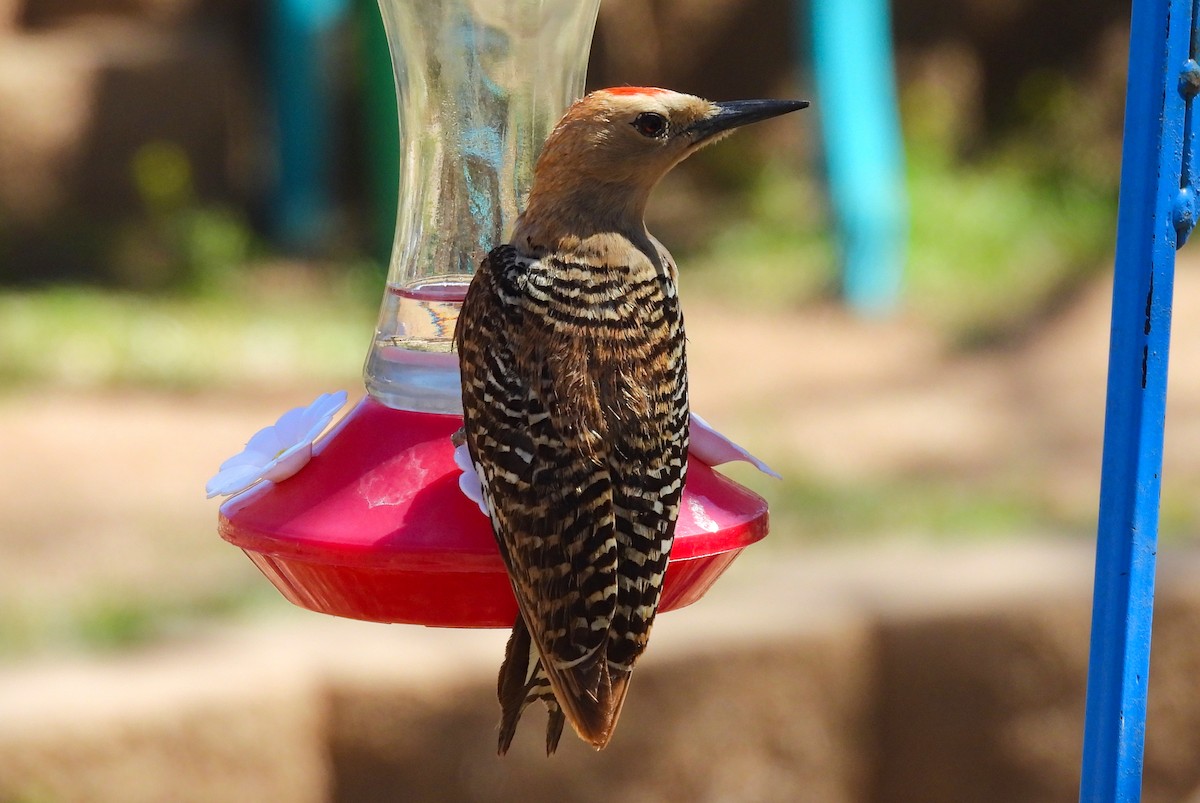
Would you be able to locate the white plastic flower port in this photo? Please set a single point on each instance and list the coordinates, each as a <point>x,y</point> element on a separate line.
<point>277,452</point>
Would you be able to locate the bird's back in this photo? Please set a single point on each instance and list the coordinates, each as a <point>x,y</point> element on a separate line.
<point>575,408</point>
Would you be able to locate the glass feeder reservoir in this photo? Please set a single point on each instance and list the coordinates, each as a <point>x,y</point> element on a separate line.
<point>480,83</point>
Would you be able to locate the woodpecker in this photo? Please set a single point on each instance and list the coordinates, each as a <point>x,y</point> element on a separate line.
<point>575,400</point>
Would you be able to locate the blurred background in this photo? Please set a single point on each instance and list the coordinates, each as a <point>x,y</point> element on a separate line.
<point>172,278</point>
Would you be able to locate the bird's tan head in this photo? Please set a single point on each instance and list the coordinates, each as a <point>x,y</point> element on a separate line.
<point>639,133</point>
<point>625,139</point>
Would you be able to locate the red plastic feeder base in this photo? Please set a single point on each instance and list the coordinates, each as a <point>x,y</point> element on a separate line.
<point>376,528</point>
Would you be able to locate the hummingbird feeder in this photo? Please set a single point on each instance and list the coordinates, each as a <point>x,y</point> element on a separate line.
<point>375,526</point>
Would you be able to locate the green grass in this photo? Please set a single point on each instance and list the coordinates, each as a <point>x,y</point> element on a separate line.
<point>806,508</point>
<point>113,620</point>
<point>89,338</point>
<point>772,252</point>
<point>992,246</point>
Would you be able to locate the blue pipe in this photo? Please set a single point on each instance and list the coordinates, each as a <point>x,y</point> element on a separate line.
<point>1154,217</point>
<point>299,71</point>
<point>864,152</point>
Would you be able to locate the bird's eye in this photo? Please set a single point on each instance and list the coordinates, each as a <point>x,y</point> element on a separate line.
<point>651,125</point>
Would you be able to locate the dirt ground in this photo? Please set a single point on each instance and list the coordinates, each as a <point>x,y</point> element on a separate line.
<point>103,493</point>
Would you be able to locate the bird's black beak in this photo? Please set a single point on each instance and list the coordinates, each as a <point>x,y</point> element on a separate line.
<point>735,113</point>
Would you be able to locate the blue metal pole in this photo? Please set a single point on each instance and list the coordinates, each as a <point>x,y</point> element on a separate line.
<point>1156,213</point>
<point>864,153</point>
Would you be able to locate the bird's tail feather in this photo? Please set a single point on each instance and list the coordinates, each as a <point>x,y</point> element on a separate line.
<point>522,681</point>
<point>593,709</point>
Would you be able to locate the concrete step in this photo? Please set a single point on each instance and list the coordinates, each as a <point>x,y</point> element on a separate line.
<point>881,673</point>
